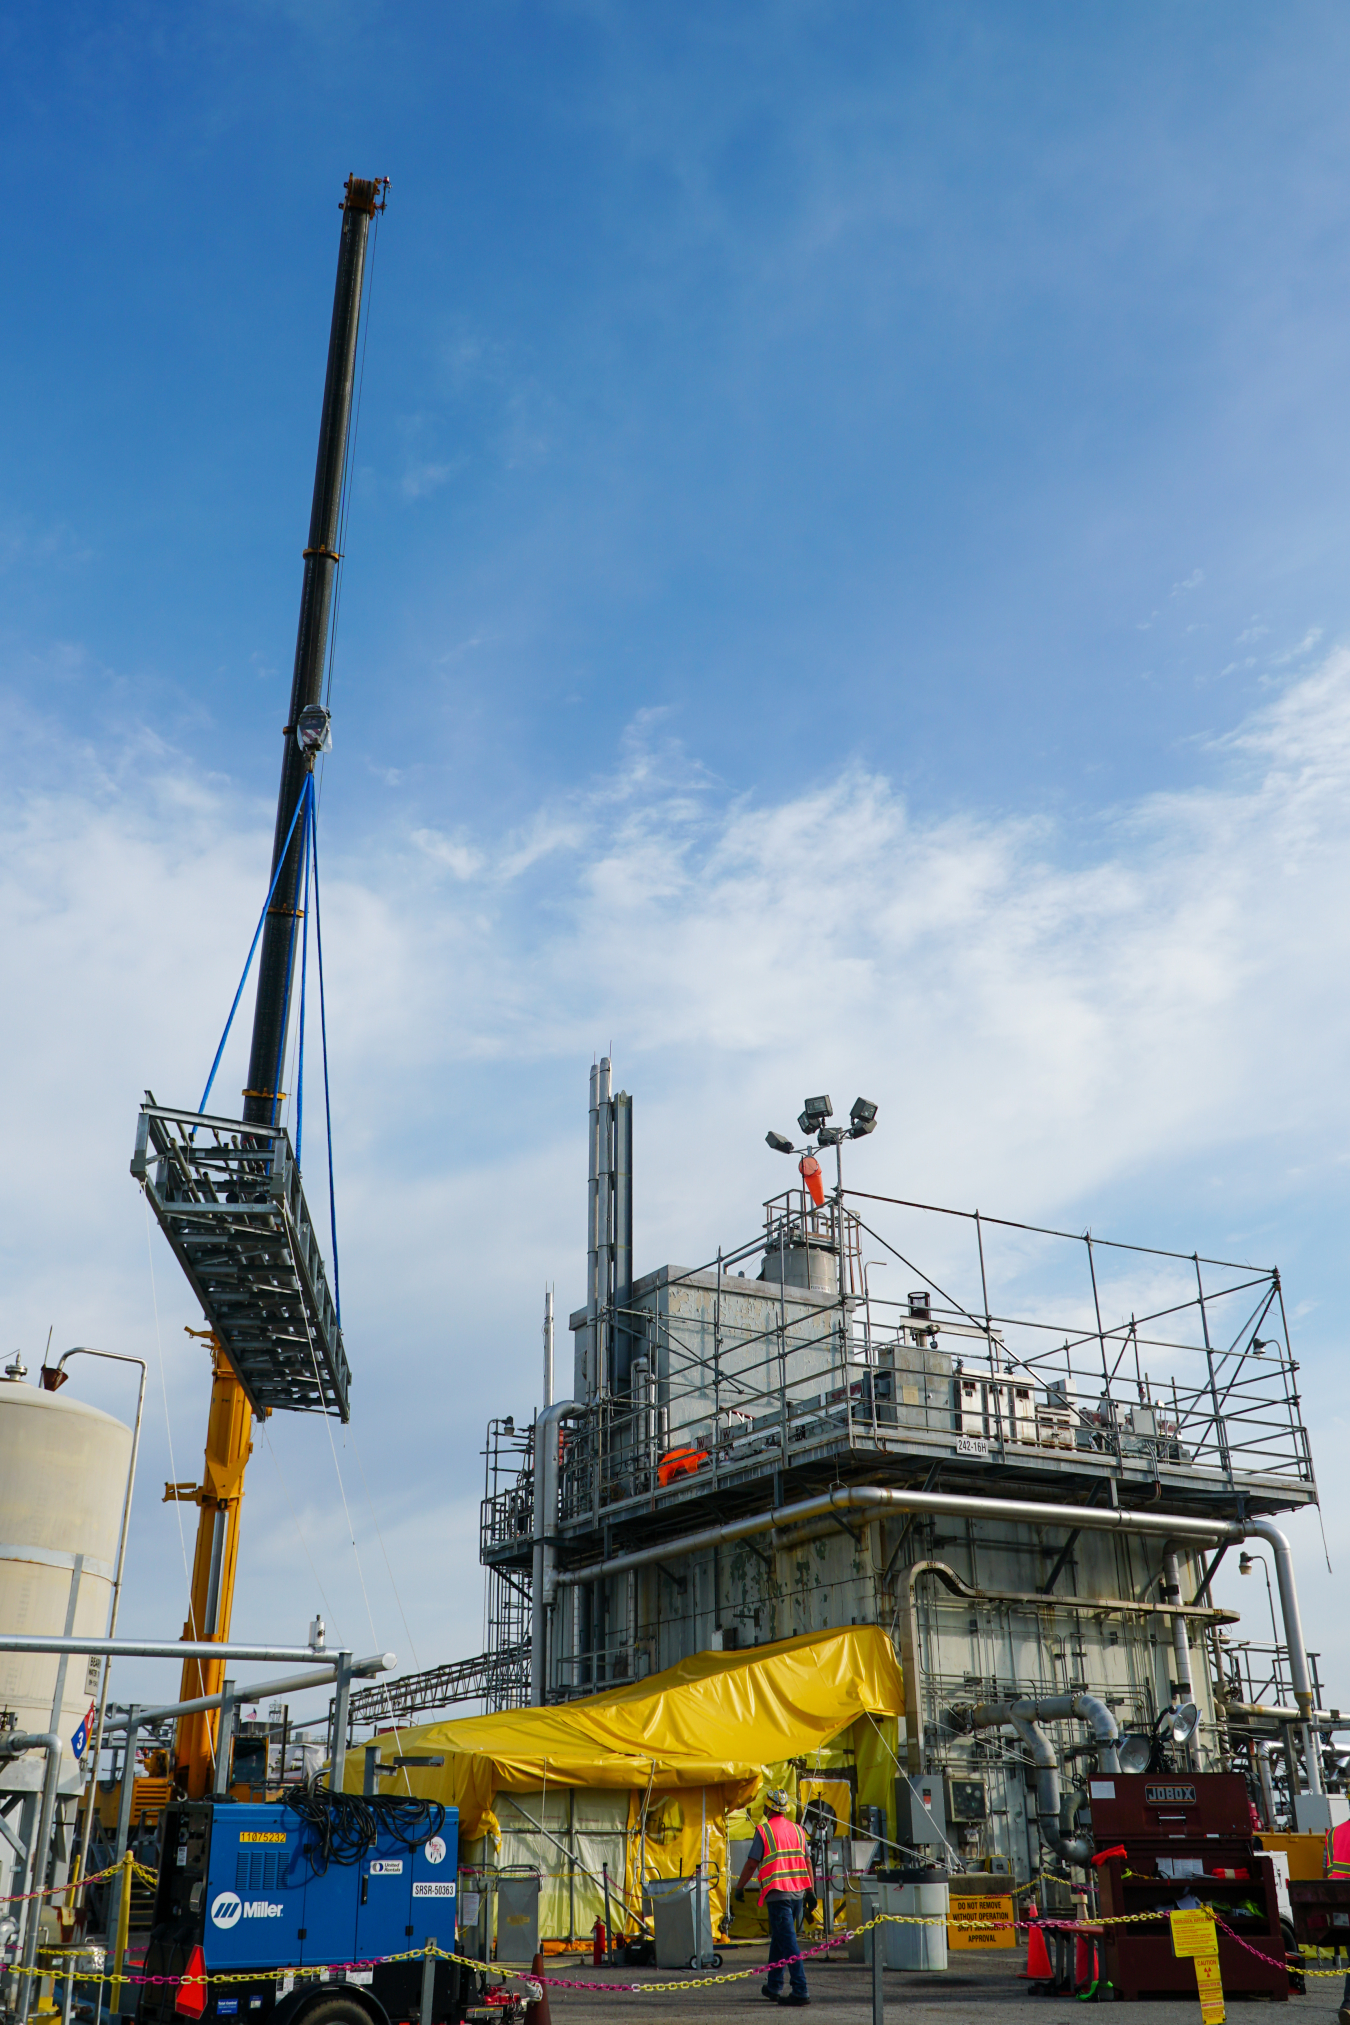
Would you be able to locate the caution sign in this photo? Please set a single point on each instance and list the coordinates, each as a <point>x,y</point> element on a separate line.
<point>1195,1935</point>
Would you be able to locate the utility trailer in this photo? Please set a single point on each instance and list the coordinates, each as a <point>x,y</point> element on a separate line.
<point>247,1893</point>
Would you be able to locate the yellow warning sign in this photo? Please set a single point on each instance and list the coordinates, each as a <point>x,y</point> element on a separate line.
<point>1195,1935</point>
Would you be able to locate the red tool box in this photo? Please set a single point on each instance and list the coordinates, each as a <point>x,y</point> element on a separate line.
<point>1188,1835</point>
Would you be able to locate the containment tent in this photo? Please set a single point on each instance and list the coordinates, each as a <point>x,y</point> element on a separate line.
<point>640,1779</point>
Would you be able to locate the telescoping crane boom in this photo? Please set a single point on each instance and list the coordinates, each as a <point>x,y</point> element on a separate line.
<point>227,1192</point>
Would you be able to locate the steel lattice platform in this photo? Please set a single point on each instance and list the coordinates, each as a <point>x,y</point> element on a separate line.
<point>228,1198</point>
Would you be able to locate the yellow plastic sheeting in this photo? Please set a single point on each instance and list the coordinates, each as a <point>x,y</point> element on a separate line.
<point>876,1742</point>
<point>671,1833</point>
<point>714,1720</point>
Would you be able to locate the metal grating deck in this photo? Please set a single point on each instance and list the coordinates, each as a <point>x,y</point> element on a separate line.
<point>228,1198</point>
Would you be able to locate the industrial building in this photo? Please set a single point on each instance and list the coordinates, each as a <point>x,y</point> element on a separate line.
<point>1020,1452</point>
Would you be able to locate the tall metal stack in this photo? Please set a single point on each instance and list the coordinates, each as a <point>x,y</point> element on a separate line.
<point>603,1345</point>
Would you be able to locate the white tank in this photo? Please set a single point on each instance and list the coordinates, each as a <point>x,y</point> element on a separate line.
<point>63,1476</point>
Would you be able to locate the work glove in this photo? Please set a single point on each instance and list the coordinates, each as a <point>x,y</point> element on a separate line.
<point>739,1892</point>
<point>809,1904</point>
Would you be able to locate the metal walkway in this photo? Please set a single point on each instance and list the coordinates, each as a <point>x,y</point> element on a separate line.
<point>228,1198</point>
<point>501,1678</point>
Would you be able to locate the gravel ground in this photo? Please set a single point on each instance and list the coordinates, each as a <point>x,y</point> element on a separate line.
<point>844,1991</point>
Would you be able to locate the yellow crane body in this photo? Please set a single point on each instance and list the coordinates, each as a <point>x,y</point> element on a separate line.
<point>218,1497</point>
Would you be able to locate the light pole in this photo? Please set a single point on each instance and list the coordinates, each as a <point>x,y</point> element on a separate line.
<point>1246,1562</point>
<point>53,1378</point>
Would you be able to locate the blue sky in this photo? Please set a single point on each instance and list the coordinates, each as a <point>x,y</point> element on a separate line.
<point>846,585</point>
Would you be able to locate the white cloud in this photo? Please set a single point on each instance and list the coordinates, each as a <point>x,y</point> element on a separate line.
<point>1048,1024</point>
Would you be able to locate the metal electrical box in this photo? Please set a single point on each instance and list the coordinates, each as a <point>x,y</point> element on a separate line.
<point>966,1799</point>
<point>920,1810</point>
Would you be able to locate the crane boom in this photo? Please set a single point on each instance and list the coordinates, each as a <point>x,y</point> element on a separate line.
<point>228,1444</point>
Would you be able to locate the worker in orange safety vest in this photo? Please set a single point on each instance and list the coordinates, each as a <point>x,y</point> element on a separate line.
<point>1338,1865</point>
<point>781,1855</point>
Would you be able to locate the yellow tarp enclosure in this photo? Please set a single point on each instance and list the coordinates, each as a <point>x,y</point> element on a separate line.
<point>641,1779</point>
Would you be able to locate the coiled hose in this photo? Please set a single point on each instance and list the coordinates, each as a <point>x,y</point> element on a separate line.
<point>343,1826</point>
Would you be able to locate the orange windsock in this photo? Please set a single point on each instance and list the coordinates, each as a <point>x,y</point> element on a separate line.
<point>809,1169</point>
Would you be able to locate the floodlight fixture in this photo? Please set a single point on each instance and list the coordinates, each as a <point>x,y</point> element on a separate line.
<point>864,1117</point>
<point>1135,1752</point>
<point>1246,1562</point>
<point>818,1109</point>
<point>778,1142</point>
<point>805,1122</point>
<point>829,1135</point>
<point>1182,1722</point>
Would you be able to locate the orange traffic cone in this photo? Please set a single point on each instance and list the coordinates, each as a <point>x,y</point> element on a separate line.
<point>539,2014</point>
<point>1038,1969</point>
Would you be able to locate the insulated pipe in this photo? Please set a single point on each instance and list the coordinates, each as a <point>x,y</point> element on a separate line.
<point>1267,1784</point>
<point>1181,1648</point>
<point>254,1691</point>
<point>543,1589</point>
<point>1025,1716</point>
<point>146,1648</point>
<point>1299,1673</point>
<point>10,1747</point>
<point>946,1504</point>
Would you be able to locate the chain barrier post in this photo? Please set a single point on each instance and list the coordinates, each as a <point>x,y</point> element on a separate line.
<point>123,1928</point>
<point>878,1964</point>
<point>428,1979</point>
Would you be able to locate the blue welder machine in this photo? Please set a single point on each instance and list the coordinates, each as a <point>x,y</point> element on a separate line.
<point>295,1901</point>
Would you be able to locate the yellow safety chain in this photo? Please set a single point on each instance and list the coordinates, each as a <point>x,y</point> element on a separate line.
<point>433,1951</point>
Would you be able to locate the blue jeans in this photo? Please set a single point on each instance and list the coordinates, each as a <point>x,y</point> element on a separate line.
<point>784,1914</point>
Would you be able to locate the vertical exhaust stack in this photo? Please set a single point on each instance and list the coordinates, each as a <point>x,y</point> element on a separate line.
<point>271,1013</point>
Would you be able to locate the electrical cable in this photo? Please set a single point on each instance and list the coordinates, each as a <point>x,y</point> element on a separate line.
<point>248,960</point>
<point>412,1643</point>
<point>318,1580</point>
<point>327,1099</point>
<point>343,1826</point>
<point>337,1467</point>
<point>168,1424</point>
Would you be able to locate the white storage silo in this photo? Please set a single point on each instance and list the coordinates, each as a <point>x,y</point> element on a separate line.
<point>63,1478</point>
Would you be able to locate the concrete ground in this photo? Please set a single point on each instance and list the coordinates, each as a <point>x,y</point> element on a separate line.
<point>971,1988</point>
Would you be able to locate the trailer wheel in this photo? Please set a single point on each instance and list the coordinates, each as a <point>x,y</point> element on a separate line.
<point>337,2011</point>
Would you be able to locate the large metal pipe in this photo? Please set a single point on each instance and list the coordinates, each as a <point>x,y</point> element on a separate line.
<point>271,1014</point>
<point>1299,1671</point>
<point>149,1648</point>
<point>1025,1716</point>
<point>1181,1650</point>
<point>12,1746</point>
<point>543,1589</point>
<point>254,1691</point>
<point>878,1500</point>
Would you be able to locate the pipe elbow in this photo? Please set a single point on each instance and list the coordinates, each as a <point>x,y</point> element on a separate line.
<point>1104,1728</point>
